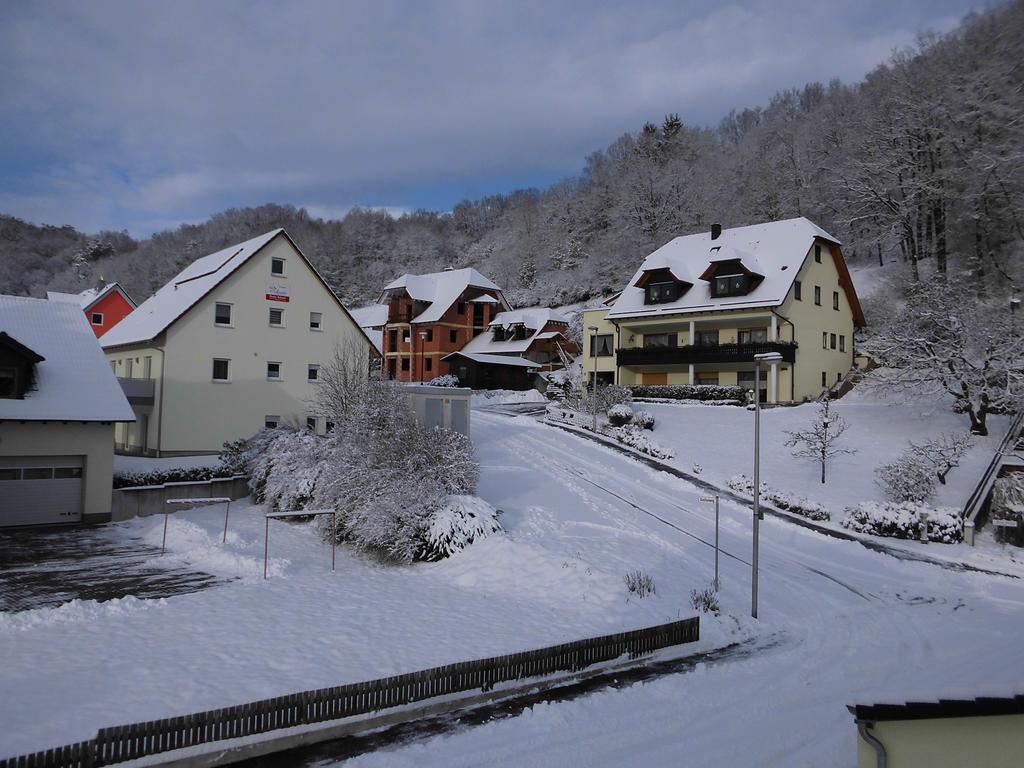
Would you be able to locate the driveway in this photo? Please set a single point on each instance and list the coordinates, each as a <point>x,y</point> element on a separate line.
<point>45,568</point>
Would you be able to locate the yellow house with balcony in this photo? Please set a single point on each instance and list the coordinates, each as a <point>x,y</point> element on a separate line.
<point>700,307</point>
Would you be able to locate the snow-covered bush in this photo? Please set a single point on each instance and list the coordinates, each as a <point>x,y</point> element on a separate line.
<point>639,583</point>
<point>619,415</point>
<point>705,600</point>
<point>905,520</point>
<point>798,505</point>
<point>908,478</point>
<point>456,523</point>
<point>605,398</point>
<point>635,438</point>
<point>448,380</point>
<point>644,419</point>
<point>285,473</point>
<point>943,453</point>
<point>175,475</point>
<point>702,392</point>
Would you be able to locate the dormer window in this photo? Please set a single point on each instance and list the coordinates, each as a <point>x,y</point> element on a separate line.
<point>661,286</point>
<point>499,333</point>
<point>8,382</point>
<point>17,367</point>
<point>732,277</point>
<point>520,332</point>
<point>662,293</point>
<point>730,285</point>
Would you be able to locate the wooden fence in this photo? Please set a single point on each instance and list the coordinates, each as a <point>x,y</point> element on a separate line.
<point>127,742</point>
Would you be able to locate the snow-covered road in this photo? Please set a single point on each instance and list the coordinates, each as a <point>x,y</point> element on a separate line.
<point>851,625</point>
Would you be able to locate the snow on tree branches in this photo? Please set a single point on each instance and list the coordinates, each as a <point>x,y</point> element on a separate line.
<point>818,443</point>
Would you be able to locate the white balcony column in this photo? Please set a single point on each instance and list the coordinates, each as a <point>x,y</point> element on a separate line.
<point>692,340</point>
<point>773,384</point>
<point>692,382</point>
<point>775,331</point>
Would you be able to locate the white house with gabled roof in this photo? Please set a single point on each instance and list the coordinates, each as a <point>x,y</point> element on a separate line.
<point>700,307</point>
<point>230,345</point>
<point>59,402</point>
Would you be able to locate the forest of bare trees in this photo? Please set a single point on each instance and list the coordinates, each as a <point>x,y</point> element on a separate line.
<point>921,164</point>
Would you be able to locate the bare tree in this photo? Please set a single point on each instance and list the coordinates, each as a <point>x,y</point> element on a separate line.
<point>819,442</point>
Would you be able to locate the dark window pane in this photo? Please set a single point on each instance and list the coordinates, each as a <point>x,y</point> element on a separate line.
<point>37,473</point>
<point>277,266</point>
<point>10,474</point>
<point>220,370</point>
<point>222,314</point>
<point>67,473</point>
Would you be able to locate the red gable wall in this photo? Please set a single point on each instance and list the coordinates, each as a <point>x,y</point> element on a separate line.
<point>114,309</point>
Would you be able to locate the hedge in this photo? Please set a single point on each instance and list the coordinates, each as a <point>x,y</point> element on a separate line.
<point>691,392</point>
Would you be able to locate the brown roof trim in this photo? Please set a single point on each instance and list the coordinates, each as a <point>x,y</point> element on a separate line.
<point>943,708</point>
<point>19,348</point>
<point>846,282</point>
<point>648,273</point>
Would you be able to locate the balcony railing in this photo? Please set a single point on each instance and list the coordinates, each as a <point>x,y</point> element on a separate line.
<point>138,391</point>
<point>711,353</point>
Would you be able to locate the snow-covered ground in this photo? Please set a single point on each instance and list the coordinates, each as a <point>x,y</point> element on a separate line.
<point>487,397</point>
<point>838,623</point>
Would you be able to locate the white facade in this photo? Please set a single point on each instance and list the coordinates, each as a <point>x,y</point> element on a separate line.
<point>240,356</point>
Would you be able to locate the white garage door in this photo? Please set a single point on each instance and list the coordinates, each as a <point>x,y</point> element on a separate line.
<point>40,490</point>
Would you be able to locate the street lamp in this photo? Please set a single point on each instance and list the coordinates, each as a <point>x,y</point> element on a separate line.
<point>771,358</point>
<point>593,373</point>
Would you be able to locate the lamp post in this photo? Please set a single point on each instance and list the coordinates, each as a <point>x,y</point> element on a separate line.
<point>714,499</point>
<point>593,373</point>
<point>772,358</point>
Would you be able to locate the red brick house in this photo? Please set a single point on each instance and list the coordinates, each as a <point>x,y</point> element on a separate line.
<point>430,316</point>
<point>104,306</point>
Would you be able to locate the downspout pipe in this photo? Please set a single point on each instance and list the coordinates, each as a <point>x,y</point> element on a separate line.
<point>881,759</point>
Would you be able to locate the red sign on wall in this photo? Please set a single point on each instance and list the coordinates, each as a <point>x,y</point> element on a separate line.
<point>277,293</point>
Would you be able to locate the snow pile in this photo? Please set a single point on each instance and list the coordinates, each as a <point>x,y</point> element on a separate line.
<point>458,522</point>
<point>905,520</point>
<point>200,547</point>
<point>505,397</point>
<point>74,612</point>
<point>556,412</point>
<point>789,502</point>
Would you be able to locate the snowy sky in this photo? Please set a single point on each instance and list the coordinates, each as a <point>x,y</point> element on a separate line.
<point>142,115</point>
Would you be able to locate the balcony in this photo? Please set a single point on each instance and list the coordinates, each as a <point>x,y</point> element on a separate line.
<point>711,353</point>
<point>138,391</point>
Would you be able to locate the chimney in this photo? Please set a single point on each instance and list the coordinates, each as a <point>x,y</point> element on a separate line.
<point>716,231</point>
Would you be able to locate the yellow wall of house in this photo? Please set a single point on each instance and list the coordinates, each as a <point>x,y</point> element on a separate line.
<point>131,434</point>
<point>995,742</point>
<point>597,318</point>
<point>811,320</point>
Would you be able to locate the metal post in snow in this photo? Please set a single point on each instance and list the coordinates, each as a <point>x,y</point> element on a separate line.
<point>334,536</point>
<point>227,510</point>
<point>757,483</point>
<point>266,545</point>
<point>163,546</point>
<point>714,499</point>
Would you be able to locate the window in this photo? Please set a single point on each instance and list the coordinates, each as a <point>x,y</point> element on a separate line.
<point>705,338</point>
<point>839,377</point>
<point>316,321</point>
<point>753,335</point>
<point>277,266</point>
<point>392,340</point>
<point>113,367</point>
<point>147,367</point>
<point>328,427</point>
<point>707,378</point>
<point>222,314</point>
<point>428,363</point>
<point>461,307</point>
<point>796,290</point>
<point>128,368</point>
<point>8,382</point>
<point>659,340</point>
<point>824,339</point>
<point>313,373</point>
<point>835,299</point>
<point>429,334</point>
<point>661,293</point>
<point>37,473</point>
<point>842,343</point>
<point>96,318</point>
<point>817,295</point>
<point>831,341</point>
<point>220,369</point>
<point>276,317</point>
<point>406,337</point>
<point>10,474</point>
<point>729,285</point>
<point>601,345</point>
<point>67,473</point>
<point>817,253</point>
<point>405,363</point>
<point>271,422</point>
<point>453,337</point>
<point>311,423</point>
<point>824,379</point>
<point>274,371</point>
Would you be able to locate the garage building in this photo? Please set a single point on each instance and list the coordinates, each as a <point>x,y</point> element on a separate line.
<point>59,400</point>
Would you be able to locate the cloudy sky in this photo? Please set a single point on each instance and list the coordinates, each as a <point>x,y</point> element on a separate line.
<point>141,115</point>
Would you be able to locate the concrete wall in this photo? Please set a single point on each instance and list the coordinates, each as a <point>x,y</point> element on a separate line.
<point>994,742</point>
<point>93,441</point>
<point>198,414</point>
<point>152,499</point>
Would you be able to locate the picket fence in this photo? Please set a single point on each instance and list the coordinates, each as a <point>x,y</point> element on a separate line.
<point>127,742</point>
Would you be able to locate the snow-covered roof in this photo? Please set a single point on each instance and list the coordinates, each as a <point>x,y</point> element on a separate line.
<point>774,249</point>
<point>165,306</point>
<point>477,357</point>
<point>440,290</point>
<point>370,316</point>
<point>485,298</point>
<point>74,381</point>
<point>89,296</point>
<point>535,318</point>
